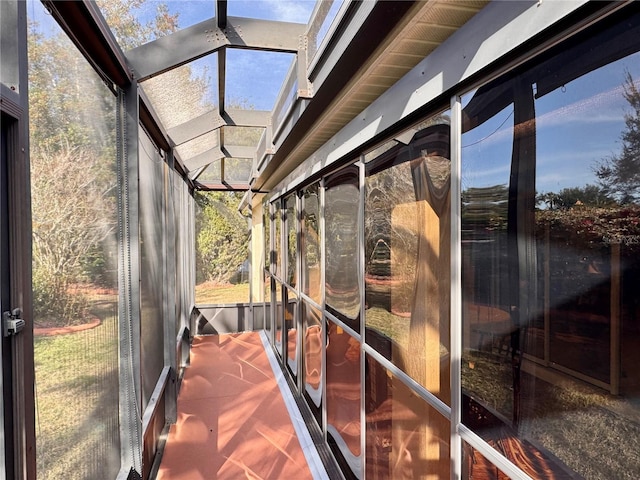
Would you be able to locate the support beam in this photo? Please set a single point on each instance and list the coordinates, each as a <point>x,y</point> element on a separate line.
<point>88,30</point>
<point>211,120</point>
<point>257,250</point>
<point>210,186</point>
<point>221,13</point>
<point>129,279</point>
<point>305,87</point>
<point>9,43</point>
<point>235,117</point>
<point>222,78</point>
<point>195,127</point>
<point>188,44</point>
<point>350,54</point>
<point>170,271</point>
<point>223,149</point>
<point>149,119</point>
<point>205,158</point>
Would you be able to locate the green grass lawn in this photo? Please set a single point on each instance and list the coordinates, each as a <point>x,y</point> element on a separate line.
<point>212,294</point>
<point>393,326</point>
<point>77,399</point>
<point>77,391</point>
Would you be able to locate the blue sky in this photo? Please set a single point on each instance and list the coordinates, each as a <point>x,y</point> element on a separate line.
<point>253,77</point>
<point>577,126</point>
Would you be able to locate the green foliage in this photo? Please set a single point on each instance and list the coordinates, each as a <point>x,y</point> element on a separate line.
<point>619,175</point>
<point>54,303</point>
<point>130,33</point>
<point>486,207</point>
<point>222,240</point>
<point>591,195</point>
<point>68,102</point>
<point>73,151</point>
<point>74,218</point>
<point>77,382</point>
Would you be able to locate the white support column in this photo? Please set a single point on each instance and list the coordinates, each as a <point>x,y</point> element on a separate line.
<point>456,288</point>
<point>257,248</point>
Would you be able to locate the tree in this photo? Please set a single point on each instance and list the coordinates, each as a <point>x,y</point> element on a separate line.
<point>72,129</point>
<point>68,222</point>
<point>68,102</point>
<point>222,241</point>
<point>73,152</point>
<point>129,32</point>
<point>485,208</point>
<point>619,175</point>
<point>589,195</point>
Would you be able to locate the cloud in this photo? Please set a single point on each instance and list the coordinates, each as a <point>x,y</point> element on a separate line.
<point>289,11</point>
<point>608,106</point>
<point>557,180</point>
<point>571,157</point>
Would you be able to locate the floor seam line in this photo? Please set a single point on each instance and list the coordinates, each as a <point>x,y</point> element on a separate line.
<point>304,438</point>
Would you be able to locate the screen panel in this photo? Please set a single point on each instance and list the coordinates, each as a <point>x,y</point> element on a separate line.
<point>72,137</point>
<point>151,217</point>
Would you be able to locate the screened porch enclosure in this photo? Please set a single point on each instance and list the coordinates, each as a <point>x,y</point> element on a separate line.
<point>335,239</point>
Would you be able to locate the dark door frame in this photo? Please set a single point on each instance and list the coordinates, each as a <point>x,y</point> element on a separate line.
<point>17,393</point>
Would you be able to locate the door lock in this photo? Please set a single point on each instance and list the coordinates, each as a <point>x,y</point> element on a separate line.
<point>12,323</point>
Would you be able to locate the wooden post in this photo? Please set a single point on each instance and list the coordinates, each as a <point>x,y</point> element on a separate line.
<point>429,221</point>
<point>257,249</point>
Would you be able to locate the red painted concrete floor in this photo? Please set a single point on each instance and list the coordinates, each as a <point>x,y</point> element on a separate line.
<point>232,420</point>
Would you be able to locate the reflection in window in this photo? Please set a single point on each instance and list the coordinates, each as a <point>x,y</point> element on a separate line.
<point>266,285</point>
<point>311,243</point>
<point>212,173</point>
<point>198,146</point>
<point>407,251</point>
<point>405,437</point>
<point>196,81</point>
<point>276,266</point>
<point>313,359</point>
<point>342,288</point>
<point>291,323</point>
<point>266,223</point>
<point>343,398</point>
<point>291,239</point>
<point>476,467</point>
<point>242,136</point>
<point>236,169</point>
<point>279,320</point>
<point>222,249</point>
<point>550,259</point>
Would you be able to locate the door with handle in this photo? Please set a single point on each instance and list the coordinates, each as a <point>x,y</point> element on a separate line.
<point>17,410</point>
<point>5,376</point>
<point>17,439</point>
